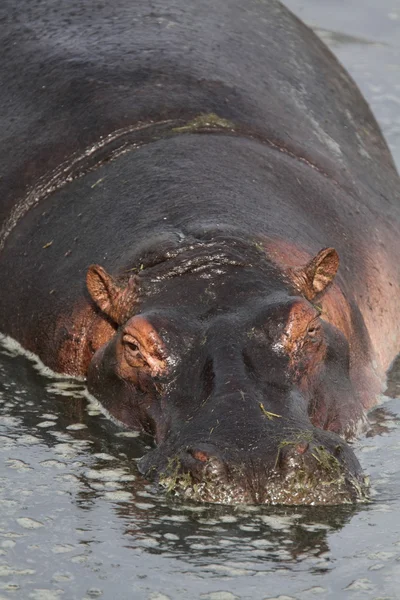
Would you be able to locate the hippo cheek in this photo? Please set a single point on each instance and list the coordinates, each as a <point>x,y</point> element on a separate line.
<point>133,404</point>
<point>96,373</point>
<point>305,468</point>
<point>115,397</point>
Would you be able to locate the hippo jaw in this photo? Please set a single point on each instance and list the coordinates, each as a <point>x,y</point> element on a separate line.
<point>295,489</point>
<point>255,364</point>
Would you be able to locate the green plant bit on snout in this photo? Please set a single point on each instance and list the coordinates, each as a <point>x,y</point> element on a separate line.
<point>328,462</point>
<point>179,483</point>
<point>301,437</point>
<point>270,415</point>
<point>318,307</point>
<point>173,476</point>
<point>97,182</point>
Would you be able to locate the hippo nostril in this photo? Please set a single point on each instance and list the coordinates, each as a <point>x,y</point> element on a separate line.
<point>293,456</point>
<point>302,447</point>
<point>200,455</point>
<point>205,463</point>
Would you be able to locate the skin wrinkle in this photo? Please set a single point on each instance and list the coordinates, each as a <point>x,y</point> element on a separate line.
<point>74,167</point>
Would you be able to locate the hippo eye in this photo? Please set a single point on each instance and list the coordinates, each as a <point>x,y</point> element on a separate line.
<point>132,346</point>
<point>133,354</point>
<point>313,330</point>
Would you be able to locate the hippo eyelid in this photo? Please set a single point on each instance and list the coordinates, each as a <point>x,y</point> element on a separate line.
<point>151,343</point>
<point>147,354</point>
<point>314,327</point>
<point>130,341</point>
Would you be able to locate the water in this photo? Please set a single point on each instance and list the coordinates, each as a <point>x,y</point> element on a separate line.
<point>78,522</point>
<point>365,37</point>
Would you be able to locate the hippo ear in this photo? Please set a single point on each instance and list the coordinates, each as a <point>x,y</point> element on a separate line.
<point>313,279</point>
<point>115,300</point>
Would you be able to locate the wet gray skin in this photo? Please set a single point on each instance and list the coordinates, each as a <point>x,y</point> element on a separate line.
<point>78,521</point>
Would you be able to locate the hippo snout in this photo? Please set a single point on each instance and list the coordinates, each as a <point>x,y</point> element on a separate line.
<point>300,469</point>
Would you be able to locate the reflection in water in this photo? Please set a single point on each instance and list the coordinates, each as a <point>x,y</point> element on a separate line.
<point>333,38</point>
<point>393,385</point>
<point>364,35</point>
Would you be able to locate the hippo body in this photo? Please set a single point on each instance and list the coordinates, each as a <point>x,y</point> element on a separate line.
<point>215,160</point>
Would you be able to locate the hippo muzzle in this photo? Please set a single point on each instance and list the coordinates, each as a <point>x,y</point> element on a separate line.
<point>257,462</point>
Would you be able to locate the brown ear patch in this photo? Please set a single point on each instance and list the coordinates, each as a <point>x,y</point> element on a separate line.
<point>115,300</point>
<point>314,279</point>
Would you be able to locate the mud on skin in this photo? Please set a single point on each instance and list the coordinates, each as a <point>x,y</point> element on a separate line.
<point>213,245</point>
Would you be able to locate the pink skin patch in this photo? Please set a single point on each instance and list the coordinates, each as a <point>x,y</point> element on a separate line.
<point>201,456</point>
<point>302,447</point>
<point>140,332</point>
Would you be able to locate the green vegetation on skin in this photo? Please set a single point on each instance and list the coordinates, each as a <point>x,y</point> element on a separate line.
<point>300,438</point>
<point>328,482</point>
<point>270,415</point>
<point>327,461</point>
<point>205,121</point>
<point>318,307</point>
<point>173,477</point>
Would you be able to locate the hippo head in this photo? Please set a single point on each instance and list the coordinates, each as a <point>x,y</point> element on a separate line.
<point>228,362</point>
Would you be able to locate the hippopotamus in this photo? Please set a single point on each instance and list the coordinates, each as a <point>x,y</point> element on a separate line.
<point>199,214</point>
